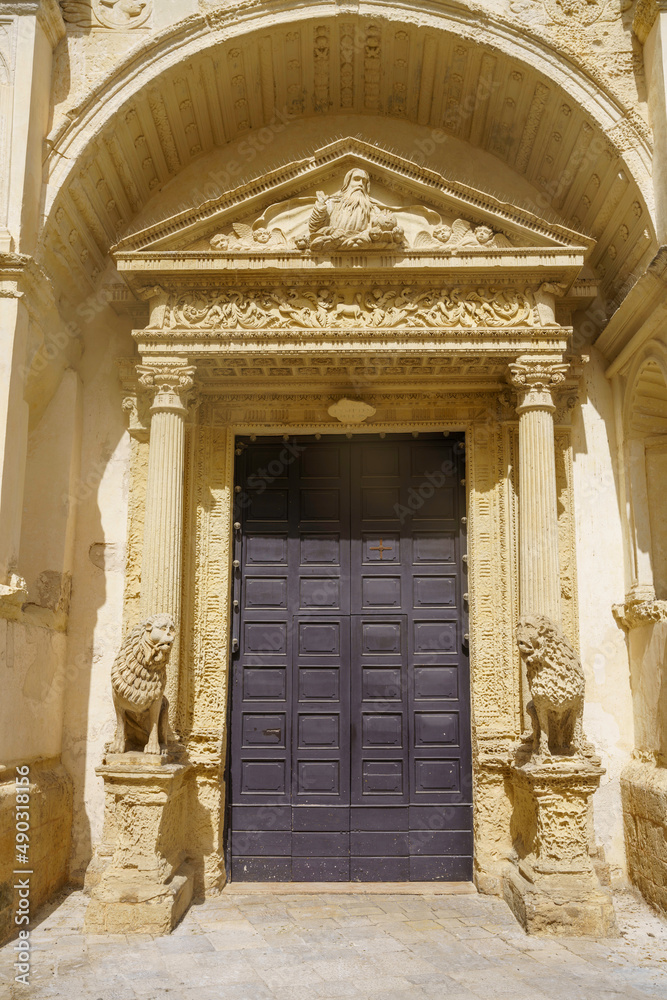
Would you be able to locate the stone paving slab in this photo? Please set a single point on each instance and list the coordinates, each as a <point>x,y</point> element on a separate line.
<point>342,946</point>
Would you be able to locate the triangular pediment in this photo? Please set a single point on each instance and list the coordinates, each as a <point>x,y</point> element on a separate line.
<point>351,197</point>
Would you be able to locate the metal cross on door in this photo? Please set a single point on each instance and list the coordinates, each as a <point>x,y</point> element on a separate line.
<point>381,548</point>
<point>350,731</point>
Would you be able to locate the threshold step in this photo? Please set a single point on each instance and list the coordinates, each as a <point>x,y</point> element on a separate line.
<point>361,888</point>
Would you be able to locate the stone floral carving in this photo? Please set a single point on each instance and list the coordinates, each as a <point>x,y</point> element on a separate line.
<point>326,307</point>
<point>138,679</point>
<point>172,380</point>
<point>556,681</point>
<point>122,14</point>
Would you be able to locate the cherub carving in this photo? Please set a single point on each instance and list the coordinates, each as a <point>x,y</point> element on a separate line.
<point>556,681</point>
<point>244,237</point>
<point>461,233</point>
<point>138,679</point>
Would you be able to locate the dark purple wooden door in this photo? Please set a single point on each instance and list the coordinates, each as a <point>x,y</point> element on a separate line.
<point>350,725</point>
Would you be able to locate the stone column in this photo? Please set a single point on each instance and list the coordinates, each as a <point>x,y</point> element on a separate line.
<point>534,378</point>
<point>171,382</point>
<point>552,886</point>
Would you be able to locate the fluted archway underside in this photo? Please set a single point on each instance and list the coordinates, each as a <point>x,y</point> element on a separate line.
<point>575,155</point>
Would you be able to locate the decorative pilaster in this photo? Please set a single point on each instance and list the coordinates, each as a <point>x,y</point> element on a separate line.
<point>171,383</point>
<point>534,378</point>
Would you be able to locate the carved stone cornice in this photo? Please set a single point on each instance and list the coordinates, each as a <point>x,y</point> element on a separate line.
<point>635,613</point>
<point>22,277</point>
<point>170,384</point>
<point>534,379</point>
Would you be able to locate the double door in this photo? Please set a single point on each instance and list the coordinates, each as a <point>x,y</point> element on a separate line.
<point>350,723</point>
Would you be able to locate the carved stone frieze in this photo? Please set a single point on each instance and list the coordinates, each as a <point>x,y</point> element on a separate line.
<point>330,307</point>
<point>635,613</point>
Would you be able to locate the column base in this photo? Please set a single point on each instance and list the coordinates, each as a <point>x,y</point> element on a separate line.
<point>139,879</point>
<point>129,903</point>
<point>552,886</point>
<point>567,904</point>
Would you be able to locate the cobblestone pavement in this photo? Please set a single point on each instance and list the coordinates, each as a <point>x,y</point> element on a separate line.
<point>304,947</point>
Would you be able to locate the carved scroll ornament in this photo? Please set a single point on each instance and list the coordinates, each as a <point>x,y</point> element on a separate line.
<point>378,308</point>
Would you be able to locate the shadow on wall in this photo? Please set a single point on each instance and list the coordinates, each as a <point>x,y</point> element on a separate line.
<point>95,622</point>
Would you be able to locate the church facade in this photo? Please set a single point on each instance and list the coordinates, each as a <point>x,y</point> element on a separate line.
<point>332,516</point>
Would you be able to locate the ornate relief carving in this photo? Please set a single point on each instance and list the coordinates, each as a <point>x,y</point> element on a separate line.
<point>327,307</point>
<point>460,233</point>
<point>556,681</point>
<point>122,14</point>
<point>634,614</point>
<point>138,680</point>
<point>171,383</point>
<point>351,411</point>
<point>534,378</point>
<point>351,219</point>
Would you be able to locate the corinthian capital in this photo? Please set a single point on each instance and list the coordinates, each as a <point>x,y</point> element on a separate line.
<point>534,379</point>
<point>170,382</point>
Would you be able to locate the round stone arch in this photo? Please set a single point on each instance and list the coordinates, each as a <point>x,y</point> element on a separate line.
<point>455,74</point>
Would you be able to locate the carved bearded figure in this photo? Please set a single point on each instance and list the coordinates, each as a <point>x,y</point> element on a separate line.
<point>556,681</point>
<point>351,220</point>
<point>138,679</point>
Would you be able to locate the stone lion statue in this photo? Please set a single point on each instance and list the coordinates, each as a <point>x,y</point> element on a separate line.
<point>138,679</point>
<point>556,681</point>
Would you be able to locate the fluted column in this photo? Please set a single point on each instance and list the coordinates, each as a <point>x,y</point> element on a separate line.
<point>539,571</point>
<point>162,559</point>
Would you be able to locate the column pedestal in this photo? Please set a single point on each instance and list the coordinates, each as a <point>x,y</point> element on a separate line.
<point>553,888</point>
<point>139,879</point>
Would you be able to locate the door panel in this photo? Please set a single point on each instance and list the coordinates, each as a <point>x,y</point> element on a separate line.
<point>350,722</point>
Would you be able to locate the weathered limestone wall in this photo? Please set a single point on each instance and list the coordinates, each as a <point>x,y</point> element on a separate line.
<point>645,813</point>
<point>50,791</point>
<point>608,710</point>
<point>96,613</point>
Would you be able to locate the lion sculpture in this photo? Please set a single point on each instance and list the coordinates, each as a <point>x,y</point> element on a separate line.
<point>138,679</point>
<point>556,681</point>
